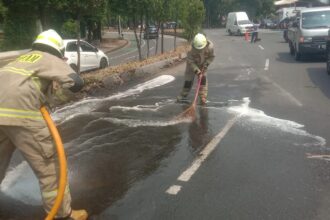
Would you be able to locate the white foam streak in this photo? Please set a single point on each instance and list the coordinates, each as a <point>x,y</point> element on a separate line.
<point>138,108</point>
<point>87,105</point>
<point>259,117</point>
<point>133,123</point>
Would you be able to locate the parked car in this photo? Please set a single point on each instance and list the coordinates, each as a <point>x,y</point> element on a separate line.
<point>268,23</point>
<point>309,32</point>
<point>90,56</point>
<point>150,32</point>
<point>170,25</point>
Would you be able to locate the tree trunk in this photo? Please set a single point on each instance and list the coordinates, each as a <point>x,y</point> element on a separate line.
<point>162,28</point>
<point>156,50</point>
<point>78,43</point>
<point>175,31</point>
<point>147,33</point>
<point>43,12</point>
<point>99,30</point>
<point>137,38</point>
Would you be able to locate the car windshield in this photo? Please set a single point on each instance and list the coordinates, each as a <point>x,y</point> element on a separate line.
<point>244,22</point>
<point>317,19</point>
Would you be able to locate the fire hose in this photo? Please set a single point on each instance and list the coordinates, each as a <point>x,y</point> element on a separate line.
<point>62,163</point>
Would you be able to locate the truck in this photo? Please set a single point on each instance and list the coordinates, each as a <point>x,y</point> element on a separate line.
<point>285,13</point>
<point>238,23</point>
<point>308,33</point>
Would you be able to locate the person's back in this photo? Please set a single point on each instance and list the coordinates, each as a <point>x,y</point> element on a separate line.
<point>24,83</point>
<point>33,80</point>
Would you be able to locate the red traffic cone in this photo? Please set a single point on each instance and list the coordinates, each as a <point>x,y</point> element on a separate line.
<point>246,36</point>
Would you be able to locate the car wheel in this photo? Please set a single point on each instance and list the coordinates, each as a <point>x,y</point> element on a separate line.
<point>328,62</point>
<point>103,63</point>
<point>238,32</point>
<point>74,67</point>
<point>229,32</point>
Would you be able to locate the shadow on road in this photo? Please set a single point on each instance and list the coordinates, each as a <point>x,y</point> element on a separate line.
<point>287,58</point>
<point>321,79</point>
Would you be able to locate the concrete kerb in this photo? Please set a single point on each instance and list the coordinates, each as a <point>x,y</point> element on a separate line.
<point>116,80</point>
<point>106,51</point>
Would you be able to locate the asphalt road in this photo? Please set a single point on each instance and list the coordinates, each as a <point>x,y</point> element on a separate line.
<point>130,52</point>
<point>257,151</point>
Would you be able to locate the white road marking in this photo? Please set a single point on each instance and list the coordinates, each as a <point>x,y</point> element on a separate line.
<point>173,190</point>
<point>289,95</point>
<point>261,47</point>
<point>267,65</point>
<point>210,147</point>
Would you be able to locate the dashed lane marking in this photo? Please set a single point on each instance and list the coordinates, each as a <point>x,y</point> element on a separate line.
<point>267,65</point>
<point>210,147</point>
<point>261,47</point>
<point>288,94</point>
<point>173,190</point>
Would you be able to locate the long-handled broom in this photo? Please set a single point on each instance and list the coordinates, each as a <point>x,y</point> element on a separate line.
<point>190,112</point>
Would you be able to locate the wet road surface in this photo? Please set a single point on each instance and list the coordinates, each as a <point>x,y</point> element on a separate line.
<point>254,152</point>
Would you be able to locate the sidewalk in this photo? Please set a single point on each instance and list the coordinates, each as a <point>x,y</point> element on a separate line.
<point>107,45</point>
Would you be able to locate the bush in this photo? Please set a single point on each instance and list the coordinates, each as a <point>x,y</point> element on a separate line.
<point>69,29</point>
<point>19,31</point>
<point>193,18</point>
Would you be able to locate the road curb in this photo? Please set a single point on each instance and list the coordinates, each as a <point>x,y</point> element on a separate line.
<point>117,48</point>
<point>116,80</point>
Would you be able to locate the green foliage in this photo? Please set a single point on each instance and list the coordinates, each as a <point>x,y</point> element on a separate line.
<point>193,18</point>
<point>20,31</point>
<point>3,10</point>
<point>69,29</point>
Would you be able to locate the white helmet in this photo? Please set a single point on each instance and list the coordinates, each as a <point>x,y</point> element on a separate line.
<point>199,41</point>
<point>50,38</point>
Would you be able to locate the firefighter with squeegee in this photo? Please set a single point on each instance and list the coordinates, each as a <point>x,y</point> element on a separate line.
<point>40,77</point>
<point>198,59</point>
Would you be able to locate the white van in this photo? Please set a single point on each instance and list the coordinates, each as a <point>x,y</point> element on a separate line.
<point>238,23</point>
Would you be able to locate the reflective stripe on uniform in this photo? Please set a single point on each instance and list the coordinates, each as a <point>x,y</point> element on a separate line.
<point>53,194</point>
<point>18,71</point>
<point>17,113</point>
<point>24,72</point>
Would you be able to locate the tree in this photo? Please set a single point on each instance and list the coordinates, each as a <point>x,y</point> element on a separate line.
<point>193,18</point>
<point>79,9</point>
<point>19,31</point>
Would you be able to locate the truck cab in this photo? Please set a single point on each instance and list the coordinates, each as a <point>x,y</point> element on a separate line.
<point>309,32</point>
